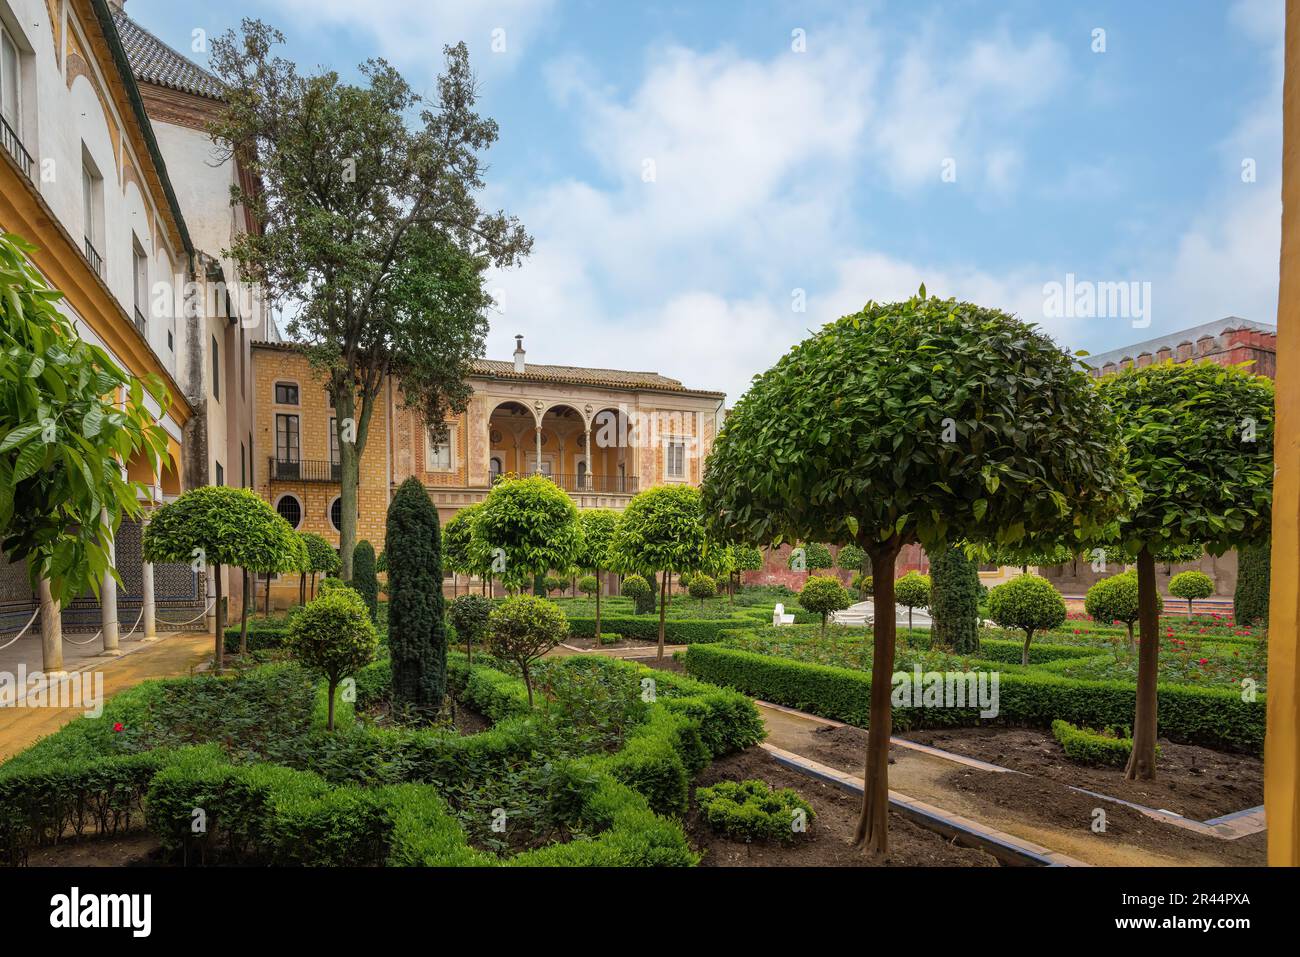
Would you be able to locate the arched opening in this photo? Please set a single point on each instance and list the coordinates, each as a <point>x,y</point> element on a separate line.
<point>510,438</point>
<point>613,437</point>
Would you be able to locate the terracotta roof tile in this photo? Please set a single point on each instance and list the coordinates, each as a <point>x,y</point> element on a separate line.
<point>153,61</point>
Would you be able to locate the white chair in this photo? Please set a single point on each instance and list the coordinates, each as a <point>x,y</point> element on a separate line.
<point>779,617</point>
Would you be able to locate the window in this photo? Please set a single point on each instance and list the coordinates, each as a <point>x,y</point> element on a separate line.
<point>286,438</point>
<point>10,101</point>
<point>91,191</point>
<point>140,285</point>
<point>290,510</point>
<point>675,459</point>
<point>437,455</point>
<point>335,457</point>
<point>495,469</point>
<point>216,370</point>
<point>582,474</point>
<point>336,514</point>
<point>243,469</point>
<point>221,475</point>
<point>286,393</point>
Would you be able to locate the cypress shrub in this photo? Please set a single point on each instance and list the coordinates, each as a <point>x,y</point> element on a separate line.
<point>417,639</point>
<point>363,576</point>
<point>1250,601</point>
<point>954,601</point>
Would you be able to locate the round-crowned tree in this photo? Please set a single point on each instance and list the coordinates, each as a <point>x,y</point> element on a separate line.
<point>335,636</point>
<point>920,421</point>
<point>1200,449</point>
<point>322,559</point>
<point>417,638</point>
<point>553,583</point>
<point>597,526</point>
<point>810,557</point>
<point>524,528</point>
<point>864,586</point>
<point>218,525</point>
<point>1029,604</point>
<point>745,558</point>
<point>1191,585</point>
<point>469,616</point>
<point>662,530</point>
<point>853,558</point>
<point>954,601</point>
<point>589,585</point>
<point>702,587</point>
<point>364,579</point>
<point>1116,599</point>
<point>639,590</point>
<point>523,628</point>
<point>456,536</point>
<point>1250,600</point>
<point>823,594</point>
<point>912,591</point>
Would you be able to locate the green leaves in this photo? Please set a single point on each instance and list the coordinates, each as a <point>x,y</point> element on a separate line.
<point>661,529</point>
<point>220,525</point>
<point>525,527</point>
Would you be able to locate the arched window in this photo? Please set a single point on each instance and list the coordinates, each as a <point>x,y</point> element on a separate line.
<point>336,514</point>
<point>495,469</point>
<point>290,510</point>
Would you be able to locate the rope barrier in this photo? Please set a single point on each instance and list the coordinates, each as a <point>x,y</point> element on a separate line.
<point>23,632</point>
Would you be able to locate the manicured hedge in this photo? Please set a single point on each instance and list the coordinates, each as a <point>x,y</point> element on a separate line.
<point>1213,717</point>
<point>1089,747</point>
<point>998,649</point>
<point>680,631</point>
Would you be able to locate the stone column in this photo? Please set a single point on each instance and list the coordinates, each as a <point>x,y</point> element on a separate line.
<point>51,632</point>
<point>586,451</point>
<point>537,465</point>
<point>210,598</point>
<point>108,598</point>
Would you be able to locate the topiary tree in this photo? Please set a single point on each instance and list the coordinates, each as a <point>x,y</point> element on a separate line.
<point>469,616</point>
<point>1027,603</point>
<point>851,558</point>
<point>553,583</point>
<point>954,601</point>
<point>364,579</point>
<point>523,628</point>
<point>921,421</point>
<point>912,591</point>
<point>335,636</point>
<point>810,557</point>
<point>823,594</point>
<point>1250,600</point>
<point>322,558</point>
<point>523,529</point>
<point>218,525</point>
<point>1191,585</point>
<point>456,536</point>
<point>639,590</point>
<point>1116,599</point>
<point>1200,449</point>
<point>702,587</point>
<point>597,526</point>
<point>864,585</point>
<point>661,530</point>
<point>417,640</point>
<point>590,585</point>
<point>745,558</point>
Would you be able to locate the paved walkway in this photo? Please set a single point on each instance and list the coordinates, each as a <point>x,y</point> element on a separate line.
<point>172,655</point>
<point>863,613</point>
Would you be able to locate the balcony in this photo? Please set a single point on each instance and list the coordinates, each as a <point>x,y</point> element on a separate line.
<point>14,147</point>
<point>304,470</point>
<point>141,323</point>
<point>603,484</point>
<point>94,258</point>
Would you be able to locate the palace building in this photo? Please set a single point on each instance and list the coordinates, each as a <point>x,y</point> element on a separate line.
<point>601,434</point>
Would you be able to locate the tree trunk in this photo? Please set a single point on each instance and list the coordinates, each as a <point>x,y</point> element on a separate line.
<point>1129,626</point>
<point>345,408</point>
<point>313,586</point>
<point>528,683</point>
<point>243,618</point>
<point>1024,652</point>
<point>1189,609</point>
<point>1142,761</point>
<point>872,833</point>
<point>266,607</point>
<point>329,722</point>
<point>663,607</point>
<point>220,661</point>
<point>598,609</point>
<point>302,588</point>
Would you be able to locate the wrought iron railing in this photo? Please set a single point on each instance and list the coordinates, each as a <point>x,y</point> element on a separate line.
<point>305,470</point>
<point>94,258</point>
<point>140,322</point>
<point>14,147</point>
<point>609,484</point>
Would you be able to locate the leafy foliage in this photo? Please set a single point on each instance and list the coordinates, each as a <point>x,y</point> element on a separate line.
<point>752,811</point>
<point>812,556</point>
<point>823,594</point>
<point>851,558</point>
<point>747,558</point>
<point>1191,585</point>
<point>702,586</point>
<point>63,436</point>
<point>532,522</point>
<point>661,530</point>
<point>598,526</point>
<point>1250,601</point>
<point>523,628</point>
<point>363,577</point>
<point>321,555</point>
<point>954,601</point>
<point>639,590</point>
<point>1027,603</point>
<point>417,639</point>
<point>469,616</point>
<point>335,636</point>
<point>220,525</point>
<point>588,584</point>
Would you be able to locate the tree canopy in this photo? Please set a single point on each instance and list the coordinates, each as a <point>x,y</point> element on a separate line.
<point>533,524</point>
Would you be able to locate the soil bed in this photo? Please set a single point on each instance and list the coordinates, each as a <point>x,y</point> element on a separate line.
<point>828,842</point>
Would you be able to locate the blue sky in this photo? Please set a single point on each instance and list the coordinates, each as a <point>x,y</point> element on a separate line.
<point>791,186</point>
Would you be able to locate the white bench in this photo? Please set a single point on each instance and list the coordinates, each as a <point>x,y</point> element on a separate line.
<point>779,617</point>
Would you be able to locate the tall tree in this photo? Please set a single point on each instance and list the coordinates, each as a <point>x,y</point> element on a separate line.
<point>524,528</point>
<point>417,636</point>
<point>364,579</point>
<point>69,418</point>
<point>367,201</point>
<point>920,421</point>
<point>954,601</point>
<point>598,526</point>
<point>1200,447</point>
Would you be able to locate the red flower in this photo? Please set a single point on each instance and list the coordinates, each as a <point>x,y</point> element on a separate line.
<point>118,726</point>
<point>1205,661</point>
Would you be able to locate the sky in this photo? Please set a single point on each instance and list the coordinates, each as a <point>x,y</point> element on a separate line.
<point>709,181</point>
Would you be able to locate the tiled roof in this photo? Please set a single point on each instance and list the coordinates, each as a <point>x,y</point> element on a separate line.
<point>153,61</point>
<point>569,375</point>
<point>1173,340</point>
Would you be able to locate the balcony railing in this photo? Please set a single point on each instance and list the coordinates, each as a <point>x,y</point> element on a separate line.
<point>14,147</point>
<point>606,484</point>
<point>94,258</point>
<point>140,322</point>
<point>305,470</point>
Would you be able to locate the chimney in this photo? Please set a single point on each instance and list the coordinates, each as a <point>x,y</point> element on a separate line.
<point>519,354</point>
